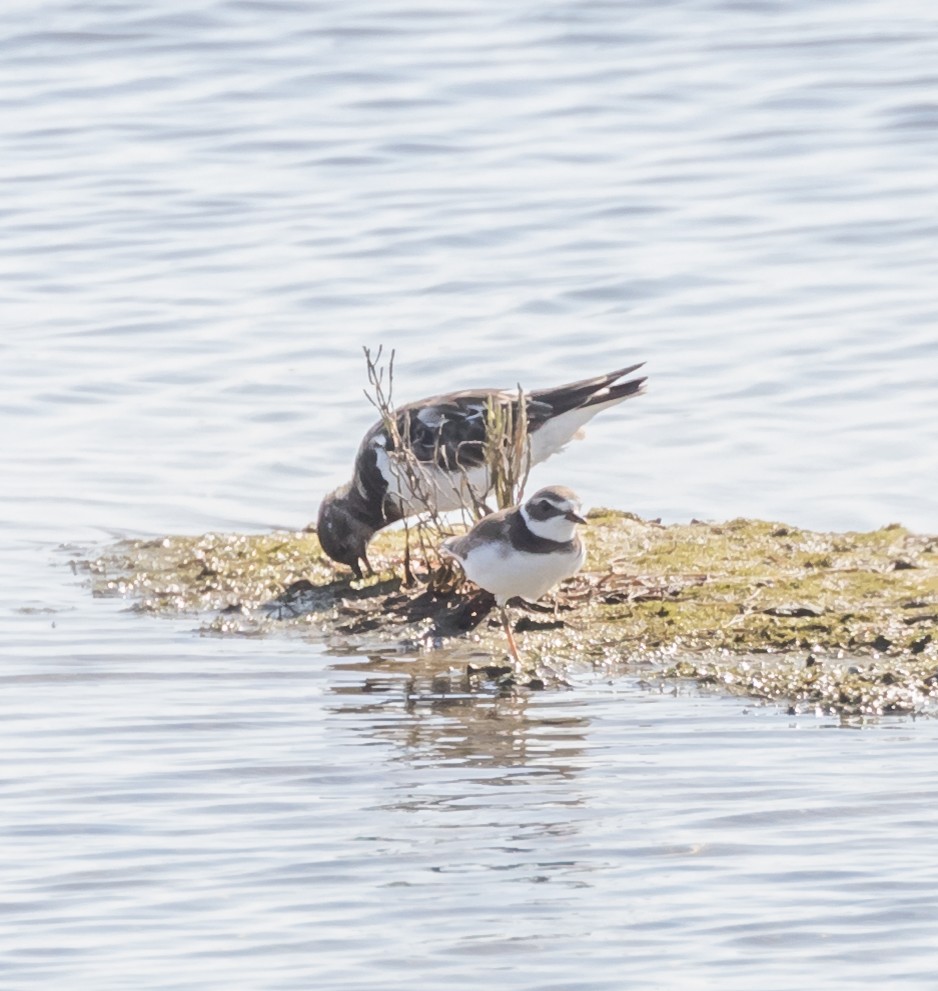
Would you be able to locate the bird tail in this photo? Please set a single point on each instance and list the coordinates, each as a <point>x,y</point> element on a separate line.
<point>591,392</point>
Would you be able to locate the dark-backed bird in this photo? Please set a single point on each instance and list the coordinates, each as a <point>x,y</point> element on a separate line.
<point>445,469</point>
<point>524,551</point>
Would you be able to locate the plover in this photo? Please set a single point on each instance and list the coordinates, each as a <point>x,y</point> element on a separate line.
<point>524,551</point>
<point>447,437</point>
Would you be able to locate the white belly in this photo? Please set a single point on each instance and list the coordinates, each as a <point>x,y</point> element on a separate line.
<point>426,486</point>
<point>506,572</point>
<point>554,435</point>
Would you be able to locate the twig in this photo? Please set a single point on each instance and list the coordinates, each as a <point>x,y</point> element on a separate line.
<point>506,462</point>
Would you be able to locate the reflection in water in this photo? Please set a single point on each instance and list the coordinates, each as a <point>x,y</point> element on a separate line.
<point>476,769</point>
<point>347,818</point>
<point>447,719</point>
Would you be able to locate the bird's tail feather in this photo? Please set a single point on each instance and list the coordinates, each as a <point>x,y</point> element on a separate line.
<point>589,392</point>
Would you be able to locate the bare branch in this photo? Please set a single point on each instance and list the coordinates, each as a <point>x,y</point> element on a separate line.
<point>506,460</point>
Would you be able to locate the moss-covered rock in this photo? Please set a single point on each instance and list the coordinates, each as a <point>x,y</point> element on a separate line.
<point>844,622</point>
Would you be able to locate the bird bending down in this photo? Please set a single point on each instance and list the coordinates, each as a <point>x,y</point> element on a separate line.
<point>524,551</point>
<point>447,436</point>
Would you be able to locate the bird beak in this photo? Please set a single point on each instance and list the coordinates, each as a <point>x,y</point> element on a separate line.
<point>574,517</point>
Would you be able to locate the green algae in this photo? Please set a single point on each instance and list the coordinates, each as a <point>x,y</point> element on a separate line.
<point>212,572</point>
<point>833,622</point>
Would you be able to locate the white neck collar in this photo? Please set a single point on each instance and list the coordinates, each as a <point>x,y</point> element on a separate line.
<point>557,528</point>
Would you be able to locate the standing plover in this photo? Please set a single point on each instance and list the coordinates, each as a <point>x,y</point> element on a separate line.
<point>447,437</point>
<point>524,551</point>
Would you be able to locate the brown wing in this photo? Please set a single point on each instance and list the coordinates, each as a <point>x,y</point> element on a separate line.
<point>493,527</point>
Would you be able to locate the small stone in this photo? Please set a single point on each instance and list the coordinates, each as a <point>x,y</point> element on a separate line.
<point>794,611</point>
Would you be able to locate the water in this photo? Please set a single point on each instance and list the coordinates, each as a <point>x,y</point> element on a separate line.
<point>207,212</point>
<point>227,813</point>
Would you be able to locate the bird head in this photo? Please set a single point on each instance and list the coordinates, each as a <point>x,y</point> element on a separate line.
<point>553,513</point>
<point>342,534</point>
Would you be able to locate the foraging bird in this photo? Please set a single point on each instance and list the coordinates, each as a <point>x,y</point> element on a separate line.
<point>524,551</point>
<point>447,437</point>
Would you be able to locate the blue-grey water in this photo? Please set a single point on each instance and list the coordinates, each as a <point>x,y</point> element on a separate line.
<point>207,210</point>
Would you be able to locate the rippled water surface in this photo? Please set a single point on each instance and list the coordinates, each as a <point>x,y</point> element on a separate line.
<point>207,210</point>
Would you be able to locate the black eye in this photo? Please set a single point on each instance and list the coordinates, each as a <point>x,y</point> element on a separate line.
<point>544,506</point>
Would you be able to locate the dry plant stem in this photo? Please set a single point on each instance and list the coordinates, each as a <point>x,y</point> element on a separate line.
<point>409,579</point>
<point>401,453</point>
<point>507,451</point>
<point>512,646</point>
<point>506,459</point>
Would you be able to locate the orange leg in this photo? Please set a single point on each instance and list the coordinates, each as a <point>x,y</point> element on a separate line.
<point>512,646</point>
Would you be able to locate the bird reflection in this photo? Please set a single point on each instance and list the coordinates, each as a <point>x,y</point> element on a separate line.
<point>447,717</point>
<point>472,779</point>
